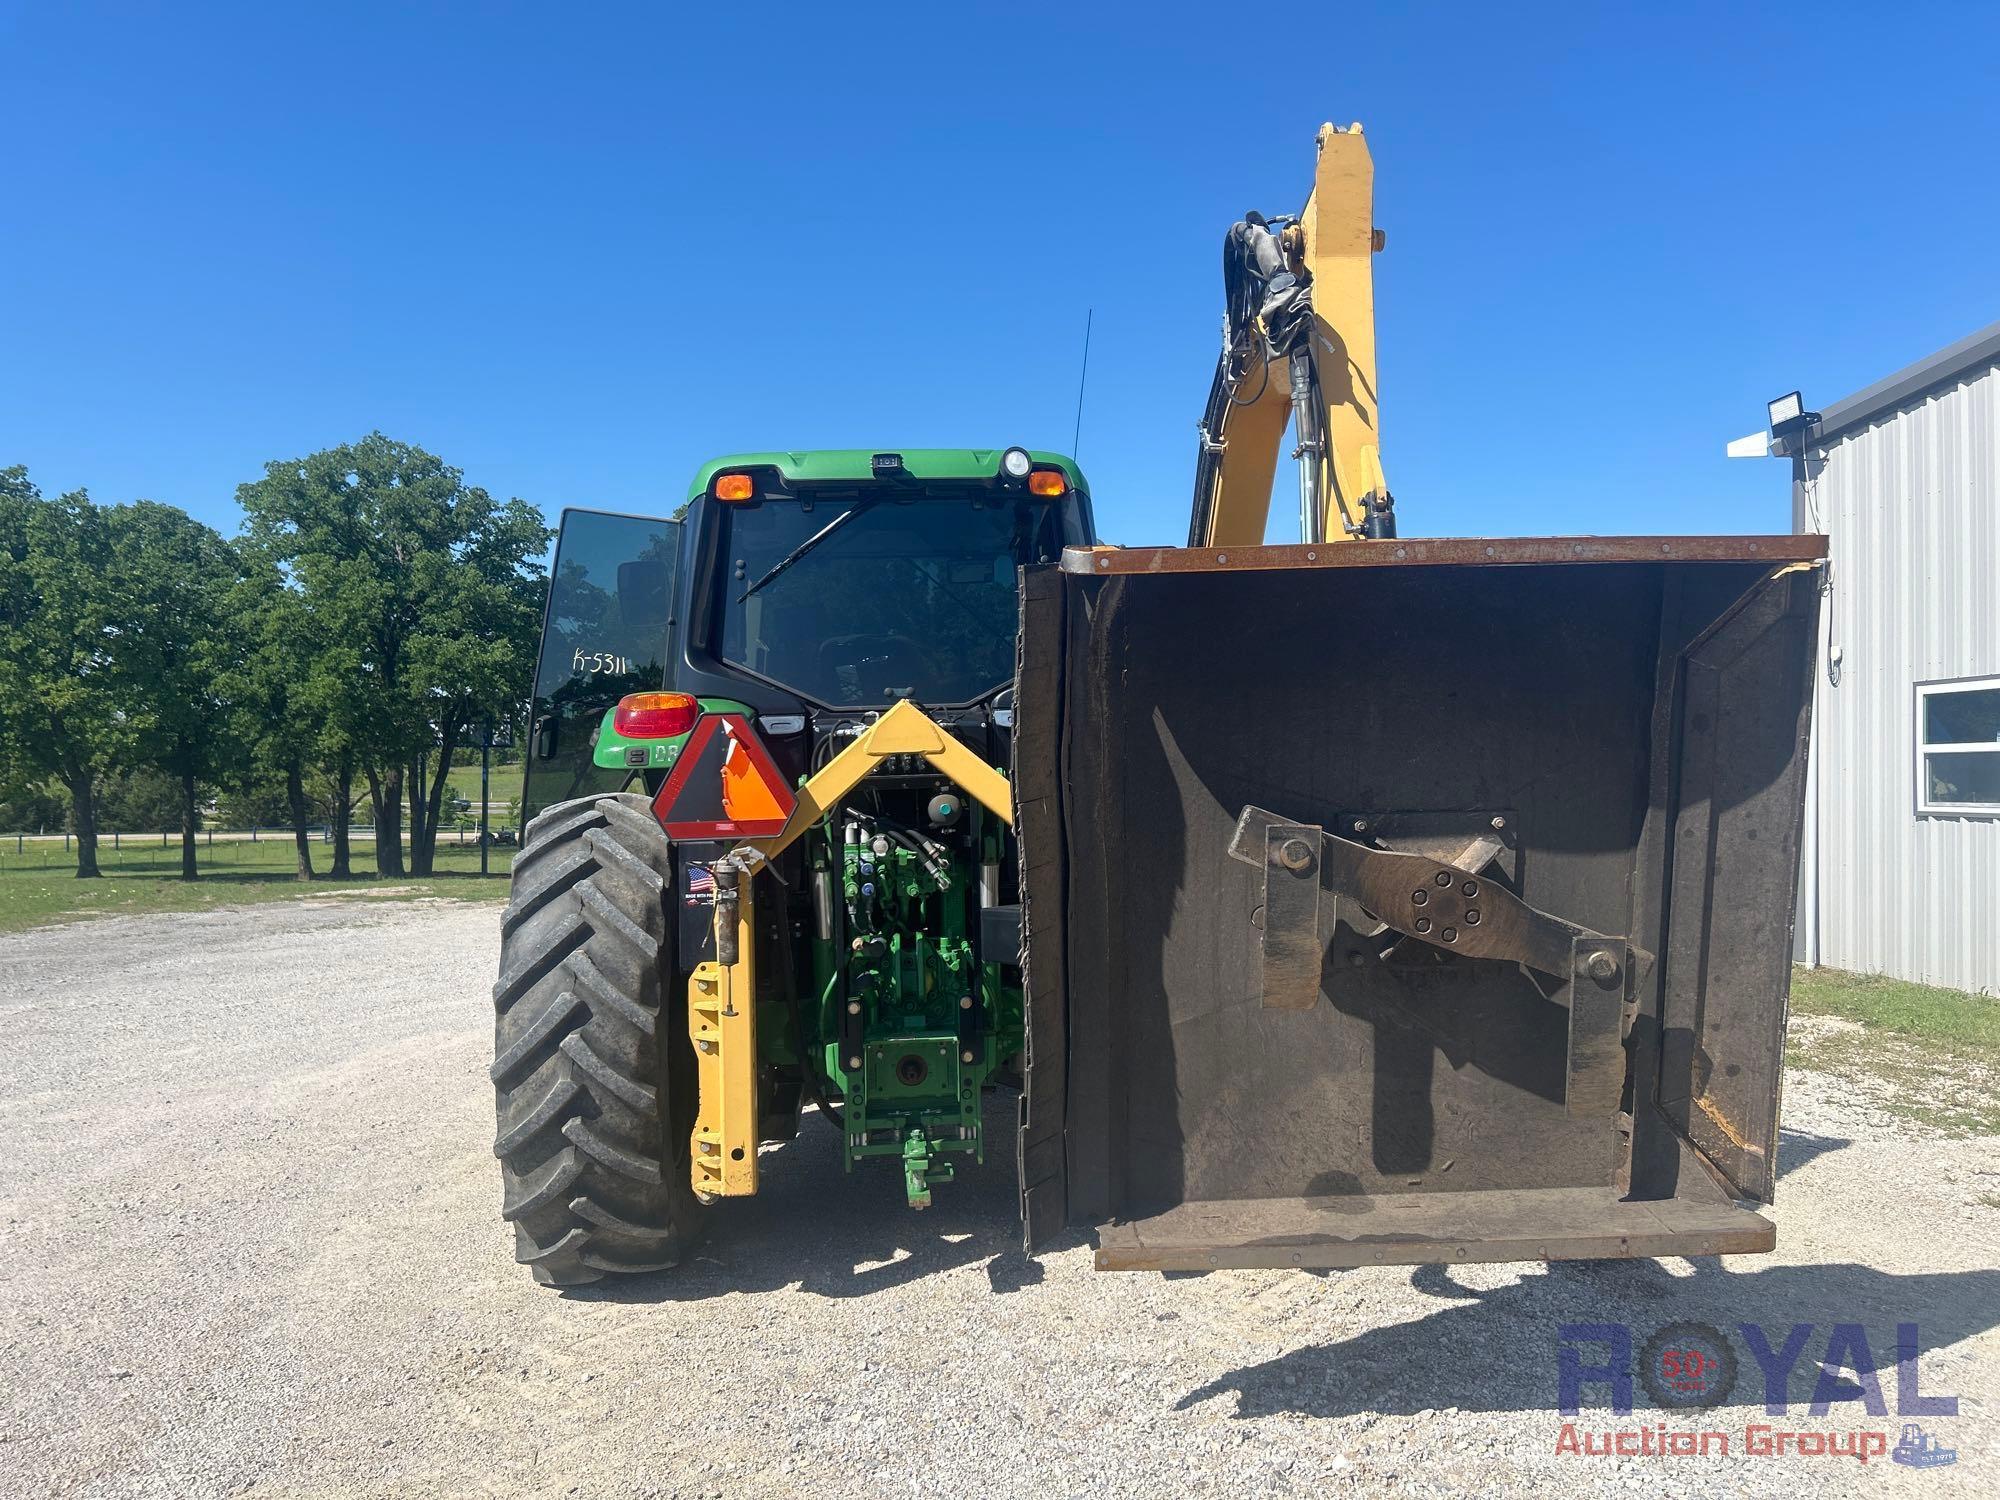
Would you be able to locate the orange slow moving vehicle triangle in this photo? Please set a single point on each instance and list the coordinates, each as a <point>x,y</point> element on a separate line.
<point>746,795</point>
<point>724,785</point>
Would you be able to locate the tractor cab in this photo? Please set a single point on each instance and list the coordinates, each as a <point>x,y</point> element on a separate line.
<point>809,591</point>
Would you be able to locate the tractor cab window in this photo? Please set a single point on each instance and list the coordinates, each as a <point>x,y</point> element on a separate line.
<point>864,599</point>
<point>611,596</point>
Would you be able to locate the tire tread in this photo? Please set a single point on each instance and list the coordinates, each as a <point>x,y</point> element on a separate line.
<point>592,1145</point>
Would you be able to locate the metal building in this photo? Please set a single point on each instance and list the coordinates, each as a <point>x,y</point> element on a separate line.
<point>1901,856</point>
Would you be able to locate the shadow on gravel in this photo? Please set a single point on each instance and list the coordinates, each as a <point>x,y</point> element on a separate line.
<point>1496,1351</point>
<point>834,1234</point>
<point>1797,1147</point>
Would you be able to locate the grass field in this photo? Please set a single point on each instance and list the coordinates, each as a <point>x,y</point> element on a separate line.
<point>1931,1055</point>
<point>38,882</point>
<point>503,787</point>
<point>1967,1023</point>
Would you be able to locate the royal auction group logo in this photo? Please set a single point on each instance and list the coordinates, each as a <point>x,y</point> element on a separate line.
<point>1688,1364</point>
<point>1693,1366</point>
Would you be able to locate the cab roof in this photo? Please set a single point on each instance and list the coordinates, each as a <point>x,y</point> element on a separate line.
<point>851,465</point>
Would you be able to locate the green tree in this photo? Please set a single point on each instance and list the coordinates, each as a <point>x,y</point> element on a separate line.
<point>33,805</point>
<point>255,799</point>
<point>472,658</point>
<point>138,799</point>
<point>330,794</point>
<point>178,647</point>
<point>424,592</point>
<point>285,701</point>
<point>62,712</point>
<point>19,500</point>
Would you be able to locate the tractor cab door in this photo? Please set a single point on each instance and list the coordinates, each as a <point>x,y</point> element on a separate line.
<point>610,610</point>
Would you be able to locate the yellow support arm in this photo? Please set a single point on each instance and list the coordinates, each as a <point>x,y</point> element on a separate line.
<point>722,1022</point>
<point>903,730</point>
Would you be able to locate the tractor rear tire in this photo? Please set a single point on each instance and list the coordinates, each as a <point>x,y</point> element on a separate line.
<point>593,1137</point>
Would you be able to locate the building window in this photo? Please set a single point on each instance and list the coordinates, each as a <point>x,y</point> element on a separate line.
<point>1958,747</point>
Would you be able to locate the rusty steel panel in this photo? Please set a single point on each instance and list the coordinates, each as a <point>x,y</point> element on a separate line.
<point>1429,551</point>
<point>1038,683</point>
<point>1609,752</point>
<point>1555,1224</point>
<point>1745,685</point>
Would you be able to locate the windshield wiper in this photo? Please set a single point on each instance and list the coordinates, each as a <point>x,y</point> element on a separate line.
<point>860,507</point>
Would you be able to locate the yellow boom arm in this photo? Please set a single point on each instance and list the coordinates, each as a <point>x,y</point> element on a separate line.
<point>1342,490</point>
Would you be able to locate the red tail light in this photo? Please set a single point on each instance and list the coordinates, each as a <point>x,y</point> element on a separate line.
<point>655,716</point>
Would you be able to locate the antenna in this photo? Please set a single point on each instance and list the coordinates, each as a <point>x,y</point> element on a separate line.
<point>1088,316</point>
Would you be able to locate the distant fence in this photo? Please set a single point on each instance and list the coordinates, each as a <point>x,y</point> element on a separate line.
<point>360,833</point>
<point>241,853</point>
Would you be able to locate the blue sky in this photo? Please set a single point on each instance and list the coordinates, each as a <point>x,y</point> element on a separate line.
<point>577,249</point>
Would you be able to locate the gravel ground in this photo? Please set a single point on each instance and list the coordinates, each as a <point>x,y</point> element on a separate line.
<point>251,1244</point>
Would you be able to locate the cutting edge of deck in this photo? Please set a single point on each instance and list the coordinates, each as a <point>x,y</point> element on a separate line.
<point>1428,1228</point>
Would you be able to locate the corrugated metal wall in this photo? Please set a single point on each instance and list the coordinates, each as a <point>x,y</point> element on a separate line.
<point>1911,506</point>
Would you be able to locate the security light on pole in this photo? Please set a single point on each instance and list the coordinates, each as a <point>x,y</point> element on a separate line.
<point>1789,415</point>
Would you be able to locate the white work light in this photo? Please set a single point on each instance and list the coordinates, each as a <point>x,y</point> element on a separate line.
<point>1015,463</point>
<point>1789,415</point>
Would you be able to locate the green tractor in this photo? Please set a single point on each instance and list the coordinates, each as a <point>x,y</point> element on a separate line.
<point>702,939</point>
<point>1363,901</point>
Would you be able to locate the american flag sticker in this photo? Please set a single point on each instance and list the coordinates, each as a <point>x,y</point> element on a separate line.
<point>700,883</point>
